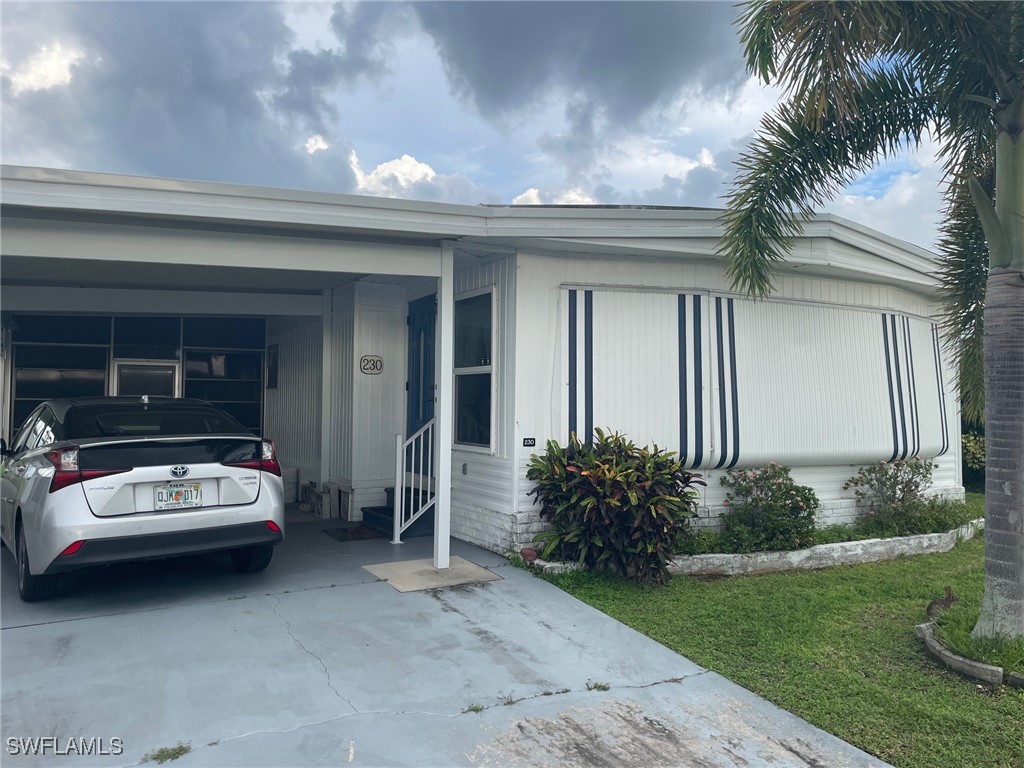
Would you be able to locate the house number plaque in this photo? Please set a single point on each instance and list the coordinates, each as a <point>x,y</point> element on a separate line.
<point>371,365</point>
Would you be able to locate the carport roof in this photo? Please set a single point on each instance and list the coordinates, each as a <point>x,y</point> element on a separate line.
<point>830,246</point>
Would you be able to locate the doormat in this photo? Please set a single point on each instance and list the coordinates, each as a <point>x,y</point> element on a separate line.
<point>352,533</point>
<point>416,575</point>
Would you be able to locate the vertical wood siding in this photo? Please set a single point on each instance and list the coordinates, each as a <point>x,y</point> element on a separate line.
<point>342,409</point>
<point>293,418</point>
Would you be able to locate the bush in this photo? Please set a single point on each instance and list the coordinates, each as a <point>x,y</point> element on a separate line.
<point>935,515</point>
<point>767,510</point>
<point>699,541</point>
<point>974,450</point>
<point>973,460</point>
<point>892,495</point>
<point>613,505</point>
<point>884,488</point>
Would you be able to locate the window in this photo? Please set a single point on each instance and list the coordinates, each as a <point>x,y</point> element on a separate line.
<point>474,339</point>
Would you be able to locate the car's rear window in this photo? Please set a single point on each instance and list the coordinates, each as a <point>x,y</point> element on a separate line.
<point>130,420</point>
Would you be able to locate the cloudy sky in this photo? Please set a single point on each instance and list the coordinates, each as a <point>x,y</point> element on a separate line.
<point>469,102</point>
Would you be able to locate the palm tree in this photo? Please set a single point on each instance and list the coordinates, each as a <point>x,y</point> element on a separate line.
<point>863,80</point>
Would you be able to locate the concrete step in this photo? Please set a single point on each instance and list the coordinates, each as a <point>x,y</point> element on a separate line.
<point>382,520</point>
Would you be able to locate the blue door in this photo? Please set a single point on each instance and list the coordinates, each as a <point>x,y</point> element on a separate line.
<point>422,313</point>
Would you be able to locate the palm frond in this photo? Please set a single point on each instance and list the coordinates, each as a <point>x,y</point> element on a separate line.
<point>824,53</point>
<point>964,262</point>
<point>791,167</point>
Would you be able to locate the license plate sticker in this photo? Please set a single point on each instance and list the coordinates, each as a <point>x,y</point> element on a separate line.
<point>178,496</point>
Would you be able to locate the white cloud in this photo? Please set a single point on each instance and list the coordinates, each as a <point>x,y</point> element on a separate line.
<point>316,143</point>
<point>529,197</point>
<point>900,198</point>
<point>720,120</point>
<point>394,178</point>
<point>640,161</point>
<point>406,177</point>
<point>574,196</point>
<point>48,67</point>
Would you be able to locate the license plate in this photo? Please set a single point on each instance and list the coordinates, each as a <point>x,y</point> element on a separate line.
<point>178,496</point>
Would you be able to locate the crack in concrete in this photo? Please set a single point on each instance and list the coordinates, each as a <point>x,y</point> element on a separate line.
<point>327,673</point>
<point>508,701</point>
<point>400,712</point>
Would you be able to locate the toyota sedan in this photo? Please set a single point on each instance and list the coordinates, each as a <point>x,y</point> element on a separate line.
<point>108,479</point>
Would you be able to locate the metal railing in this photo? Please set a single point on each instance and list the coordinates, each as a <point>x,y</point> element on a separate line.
<point>414,478</point>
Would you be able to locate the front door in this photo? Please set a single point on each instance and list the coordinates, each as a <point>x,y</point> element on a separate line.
<point>422,314</point>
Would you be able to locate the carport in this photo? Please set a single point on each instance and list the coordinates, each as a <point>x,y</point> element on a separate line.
<point>331,277</point>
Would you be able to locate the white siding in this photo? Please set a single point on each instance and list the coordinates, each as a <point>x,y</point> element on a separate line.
<point>339,422</point>
<point>482,498</point>
<point>293,418</point>
<point>812,383</point>
<point>378,400</point>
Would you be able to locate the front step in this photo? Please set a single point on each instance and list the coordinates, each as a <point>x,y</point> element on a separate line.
<point>382,520</point>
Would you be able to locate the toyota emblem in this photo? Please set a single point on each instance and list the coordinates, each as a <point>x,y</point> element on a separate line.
<point>179,471</point>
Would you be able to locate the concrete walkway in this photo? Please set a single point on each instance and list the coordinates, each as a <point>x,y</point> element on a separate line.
<point>314,662</point>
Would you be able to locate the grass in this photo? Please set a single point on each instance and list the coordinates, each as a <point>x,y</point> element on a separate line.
<point>165,754</point>
<point>956,623</point>
<point>836,647</point>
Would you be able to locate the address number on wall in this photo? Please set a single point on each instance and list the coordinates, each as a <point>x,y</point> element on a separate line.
<point>371,364</point>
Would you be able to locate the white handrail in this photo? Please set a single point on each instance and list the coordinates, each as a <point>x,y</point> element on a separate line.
<point>419,448</point>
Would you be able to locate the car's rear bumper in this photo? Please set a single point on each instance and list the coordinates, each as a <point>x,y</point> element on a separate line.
<point>151,546</point>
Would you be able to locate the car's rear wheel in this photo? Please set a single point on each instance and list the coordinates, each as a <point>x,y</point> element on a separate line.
<point>251,559</point>
<point>33,588</point>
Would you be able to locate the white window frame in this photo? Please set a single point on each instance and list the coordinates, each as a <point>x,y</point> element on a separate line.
<point>491,369</point>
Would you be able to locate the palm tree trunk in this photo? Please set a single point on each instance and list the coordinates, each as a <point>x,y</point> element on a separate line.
<point>1002,612</point>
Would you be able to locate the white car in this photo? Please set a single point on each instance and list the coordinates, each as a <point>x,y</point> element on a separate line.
<point>108,479</point>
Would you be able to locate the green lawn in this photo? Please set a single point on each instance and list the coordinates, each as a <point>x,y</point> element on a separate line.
<point>836,647</point>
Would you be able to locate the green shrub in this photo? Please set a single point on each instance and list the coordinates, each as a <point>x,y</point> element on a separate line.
<point>613,505</point>
<point>973,460</point>
<point>834,534</point>
<point>767,510</point>
<point>973,450</point>
<point>699,541</point>
<point>935,515</point>
<point>885,487</point>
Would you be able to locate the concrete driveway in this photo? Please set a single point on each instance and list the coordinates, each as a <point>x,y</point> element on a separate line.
<point>315,662</point>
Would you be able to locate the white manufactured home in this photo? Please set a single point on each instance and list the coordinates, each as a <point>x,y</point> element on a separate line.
<point>360,333</point>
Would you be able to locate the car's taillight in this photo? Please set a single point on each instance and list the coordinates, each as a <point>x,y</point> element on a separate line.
<point>67,472</point>
<point>273,526</point>
<point>270,462</point>
<point>267,462</point>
